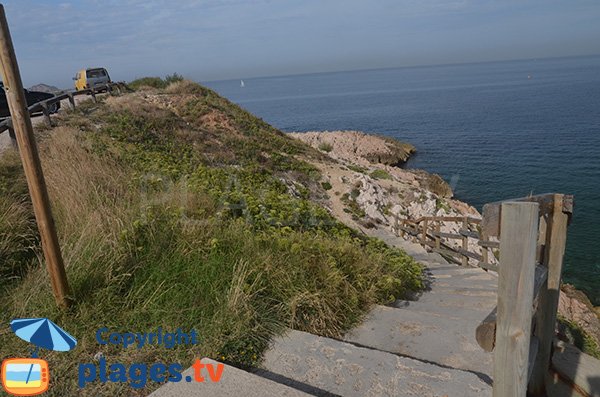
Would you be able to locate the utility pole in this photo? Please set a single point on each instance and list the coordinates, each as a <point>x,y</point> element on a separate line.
<point>32,167</point>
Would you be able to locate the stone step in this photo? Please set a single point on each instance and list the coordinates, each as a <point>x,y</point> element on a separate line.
<point>445,341</point>
<point>449,283</point>
<point>234,383</point>
<point>484,301</point>
<point>457,313</point>
<point>344,369</point>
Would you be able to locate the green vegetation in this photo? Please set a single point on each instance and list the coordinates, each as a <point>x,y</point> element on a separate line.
<point>442,204</point>
<point>357,168</point>
<point>580,338</point>
<point>380,174</point>
<point>326,185</point>
<point>198,217</point>
<point>326,147</point>
<point>155,82</point>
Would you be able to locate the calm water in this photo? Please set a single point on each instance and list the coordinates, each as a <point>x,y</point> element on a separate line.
<point>488,128</point>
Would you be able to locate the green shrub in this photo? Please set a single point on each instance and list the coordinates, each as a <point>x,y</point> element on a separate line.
<point>326,147</point>
<point>380,174</point>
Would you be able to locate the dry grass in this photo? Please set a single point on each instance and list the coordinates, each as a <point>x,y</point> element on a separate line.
<point>150,238</point>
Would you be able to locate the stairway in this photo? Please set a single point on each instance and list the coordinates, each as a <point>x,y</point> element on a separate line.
<point>424,346</point>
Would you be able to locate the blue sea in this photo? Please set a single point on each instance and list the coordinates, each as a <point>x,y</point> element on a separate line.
<point>494,130</point>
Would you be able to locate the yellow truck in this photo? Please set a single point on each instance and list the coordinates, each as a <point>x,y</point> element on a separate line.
<point>91,78</point>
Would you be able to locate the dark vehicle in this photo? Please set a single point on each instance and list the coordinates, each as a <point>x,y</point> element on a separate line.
<point>32,97</point>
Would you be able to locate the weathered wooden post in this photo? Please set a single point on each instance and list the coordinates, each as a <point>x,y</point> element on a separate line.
<point>424,235</point>
<point>31,163</point>
<point>519,224</point>
<point>545,317</point>
<point>46,113</point>
<point>71,101</point>
<point>465,241</point>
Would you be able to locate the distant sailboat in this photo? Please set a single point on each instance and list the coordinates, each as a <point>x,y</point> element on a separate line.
<point>242,84</point>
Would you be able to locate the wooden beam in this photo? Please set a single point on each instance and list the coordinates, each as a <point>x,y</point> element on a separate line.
<point>545,317</point>
<point>515,297</point>
<point>32,167</point>
<point>490,223</point>
<point>485,334</point>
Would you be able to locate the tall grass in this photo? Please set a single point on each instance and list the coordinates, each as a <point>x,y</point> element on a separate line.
<point>154,235</point>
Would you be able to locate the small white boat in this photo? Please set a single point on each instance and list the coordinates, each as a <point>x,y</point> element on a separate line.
<point>242,84</point>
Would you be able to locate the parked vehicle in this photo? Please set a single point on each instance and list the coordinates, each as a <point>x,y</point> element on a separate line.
<point>90,78</point>
<point>32,97</point>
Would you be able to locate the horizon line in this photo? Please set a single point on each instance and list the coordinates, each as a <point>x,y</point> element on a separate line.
<point>428,65</point>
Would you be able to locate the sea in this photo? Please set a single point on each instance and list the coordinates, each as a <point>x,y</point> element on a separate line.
<point>495,130</point>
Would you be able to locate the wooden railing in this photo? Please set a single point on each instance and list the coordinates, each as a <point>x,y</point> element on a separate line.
<point>427,231</point>
<point>528,235</point>
<point>532,233</point>
<point>45,106</point>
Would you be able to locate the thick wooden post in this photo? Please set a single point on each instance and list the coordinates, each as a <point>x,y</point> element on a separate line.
<point>424,235</point>
<point>545,317</point>
<point>438,229</point>
<point>519,224</point>
<point>31,163</point>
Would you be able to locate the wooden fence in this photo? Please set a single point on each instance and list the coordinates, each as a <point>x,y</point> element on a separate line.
<point>45,106</point>
<point>528,235</point>
<point>427,232</point>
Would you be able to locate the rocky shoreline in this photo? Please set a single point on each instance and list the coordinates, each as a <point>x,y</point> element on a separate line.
<point>367,188</point>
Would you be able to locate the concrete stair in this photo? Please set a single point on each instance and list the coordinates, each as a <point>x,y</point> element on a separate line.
<point>339,368</point>
<point>234,382</point>
<point>423,346</point>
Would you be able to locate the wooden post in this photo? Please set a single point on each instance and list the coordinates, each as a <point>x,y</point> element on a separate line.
<point>438,227</point>
<point>31,163</point>
<point>72,101</point>
<point>519,224</point>
<point>484,250</point>
<point>545,317</point>
<point>424,235</point>
<point>465,242</point>
<point>46,113</point>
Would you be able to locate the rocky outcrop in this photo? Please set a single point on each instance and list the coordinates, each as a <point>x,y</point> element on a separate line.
<point>366,191</point>
<point>50,89</point>
<point>359,148</point>
<point>575,306</point>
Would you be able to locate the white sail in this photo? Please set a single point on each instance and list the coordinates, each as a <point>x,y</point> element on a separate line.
<point>242,84</point>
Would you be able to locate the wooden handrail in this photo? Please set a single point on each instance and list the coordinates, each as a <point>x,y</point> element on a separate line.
<point>426,230</point>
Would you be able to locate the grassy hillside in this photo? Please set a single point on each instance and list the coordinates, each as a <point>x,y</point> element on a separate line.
<point>177,208</point>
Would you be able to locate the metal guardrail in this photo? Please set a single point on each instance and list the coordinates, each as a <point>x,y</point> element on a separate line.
<point>46,105</point>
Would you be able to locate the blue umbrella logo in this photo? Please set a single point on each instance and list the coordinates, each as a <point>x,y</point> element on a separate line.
<point>43,333</point>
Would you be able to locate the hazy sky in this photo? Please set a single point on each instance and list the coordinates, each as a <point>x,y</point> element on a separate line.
<point>209,39</point>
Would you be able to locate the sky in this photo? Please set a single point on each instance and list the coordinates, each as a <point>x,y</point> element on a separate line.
<point>228,39</point>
